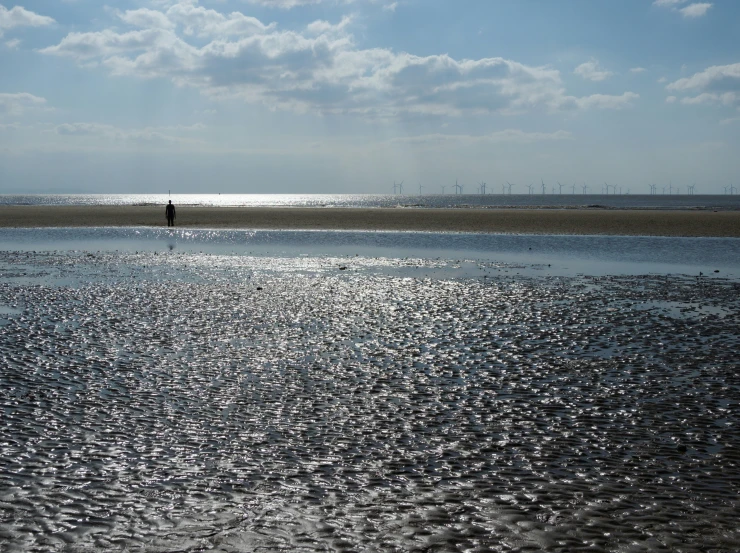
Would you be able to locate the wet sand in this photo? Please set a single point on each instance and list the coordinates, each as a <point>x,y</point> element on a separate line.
<point>524,221</point>
<point>182,402</point>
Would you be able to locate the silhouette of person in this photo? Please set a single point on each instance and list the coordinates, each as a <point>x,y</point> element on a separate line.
<point>169,211</point>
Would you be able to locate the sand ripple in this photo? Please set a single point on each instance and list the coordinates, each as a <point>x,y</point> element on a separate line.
<point>211,404</point>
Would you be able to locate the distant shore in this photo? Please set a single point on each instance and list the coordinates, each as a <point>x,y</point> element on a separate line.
<point>522,221</point>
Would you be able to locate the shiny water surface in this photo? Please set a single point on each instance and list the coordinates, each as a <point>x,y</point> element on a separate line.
<point>549,200</point>
<point>167,399</point>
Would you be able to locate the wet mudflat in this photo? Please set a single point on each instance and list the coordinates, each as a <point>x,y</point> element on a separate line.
<point>186,402</point>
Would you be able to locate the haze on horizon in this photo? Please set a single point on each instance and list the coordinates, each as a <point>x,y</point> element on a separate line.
<point>348,96</point>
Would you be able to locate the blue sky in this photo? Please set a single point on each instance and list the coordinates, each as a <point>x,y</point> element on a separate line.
<point>347,96</point>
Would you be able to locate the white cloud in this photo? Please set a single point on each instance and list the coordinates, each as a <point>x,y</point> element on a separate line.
<point>638,70</point>
<point>319,70</point>
<point>605,101</point>
<point>592,72</point>
<point>146,19</point>
<point>515,136</point>
<point>671,100</point>
<point>695,10</point>
<point>164,135</point>
<point>716,85</point>
<point>21,17</point>
<point>17,103</point>
<point>13,44</point>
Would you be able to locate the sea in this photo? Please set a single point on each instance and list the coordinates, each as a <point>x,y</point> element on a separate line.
<point>535,201</point>
<point>248,390</point>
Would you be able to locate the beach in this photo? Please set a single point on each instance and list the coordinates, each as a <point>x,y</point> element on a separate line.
<point>240,390</point>
<point>167,401</point>
<point>626,222</point>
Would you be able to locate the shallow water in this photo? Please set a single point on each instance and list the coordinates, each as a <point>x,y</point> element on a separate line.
<point>183,401</point>
<point>474,254</point>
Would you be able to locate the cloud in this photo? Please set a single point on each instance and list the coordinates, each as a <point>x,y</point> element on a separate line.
<point>171,134</point>
<point>21,17</point>
<point>638,70</point>
<point>605,101</point>
<point>592,72</point>
<point>514,136</point>
<point>719,84</point>
<point>318,69</point>
<point>695,10</point>
<point>13,44</point>
<point>18,103</point>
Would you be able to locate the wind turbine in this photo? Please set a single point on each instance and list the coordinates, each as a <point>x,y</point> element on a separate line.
<point>420,189</point>
<point>733,188</point>
<point>458,188</point>
<point>530,187</point>
<point>443,189</point>
<point>543,187</point>
<point>561,187</point>
<point>585,188</point>
<point>503,188</point>
<point>398,187</point>
<point>482,188</point>
<point>670,187</point>
<point>510,186</point>
<point>573,189</point>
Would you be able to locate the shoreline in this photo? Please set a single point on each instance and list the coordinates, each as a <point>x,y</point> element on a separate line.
<point>596,221</point>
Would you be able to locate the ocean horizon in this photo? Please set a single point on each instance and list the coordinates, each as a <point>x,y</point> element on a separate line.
<point>533,201</point>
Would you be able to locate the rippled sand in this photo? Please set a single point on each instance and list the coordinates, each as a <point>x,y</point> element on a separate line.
<point>192,402</point>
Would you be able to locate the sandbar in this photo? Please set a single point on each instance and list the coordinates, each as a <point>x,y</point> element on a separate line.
<point>521,221</point>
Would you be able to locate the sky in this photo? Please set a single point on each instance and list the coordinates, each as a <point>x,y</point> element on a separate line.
<point>352,96</point>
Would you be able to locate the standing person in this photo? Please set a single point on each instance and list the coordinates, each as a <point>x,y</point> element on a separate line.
<point>169,211</point>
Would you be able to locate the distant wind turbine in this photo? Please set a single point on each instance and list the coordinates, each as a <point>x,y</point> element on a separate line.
<point>398,187</point>
<point>561,187</point>
<point>510,186</point>
<point>420,189</point>
<point>530,187</point>
<point>482,188</point>
<point>543,187</point>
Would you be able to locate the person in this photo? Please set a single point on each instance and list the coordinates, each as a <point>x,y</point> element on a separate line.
<point>169,211</point>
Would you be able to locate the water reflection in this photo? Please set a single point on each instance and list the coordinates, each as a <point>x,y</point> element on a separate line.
<point>559,255</point>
